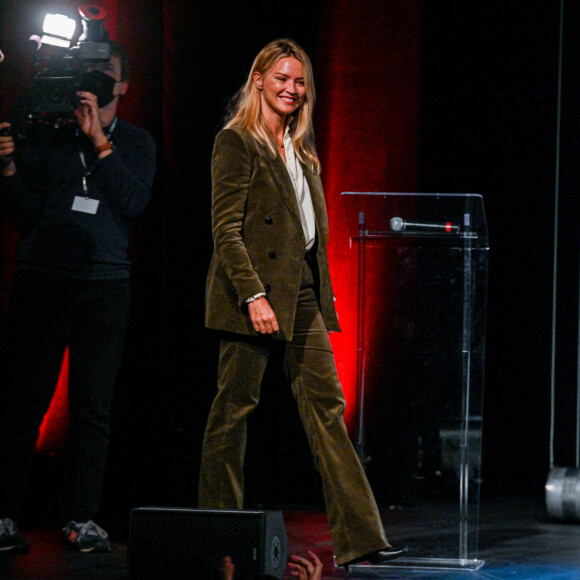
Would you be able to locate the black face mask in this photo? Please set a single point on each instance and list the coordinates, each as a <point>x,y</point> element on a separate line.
<point>100,84</point>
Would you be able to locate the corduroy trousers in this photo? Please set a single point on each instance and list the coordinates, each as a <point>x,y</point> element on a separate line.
<point>354,520</point>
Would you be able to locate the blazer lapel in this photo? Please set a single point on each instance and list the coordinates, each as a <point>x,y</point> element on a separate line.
<point>285,185</point>
<point>317,195</point>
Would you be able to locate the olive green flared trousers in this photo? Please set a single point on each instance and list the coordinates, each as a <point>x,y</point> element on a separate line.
<point>353,516</point>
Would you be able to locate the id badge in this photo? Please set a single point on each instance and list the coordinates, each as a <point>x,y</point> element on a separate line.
<point>85,204</point>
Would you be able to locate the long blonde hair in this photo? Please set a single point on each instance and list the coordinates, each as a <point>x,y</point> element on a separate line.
<point>246,108</point>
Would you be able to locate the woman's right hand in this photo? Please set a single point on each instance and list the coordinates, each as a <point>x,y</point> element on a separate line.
<point>262,316</point>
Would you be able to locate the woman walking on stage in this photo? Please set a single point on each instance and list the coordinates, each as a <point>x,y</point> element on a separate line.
<point>269,280</point>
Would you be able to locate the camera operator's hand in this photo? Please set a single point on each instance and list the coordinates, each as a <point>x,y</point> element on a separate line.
<point>7,148</point>
<point>89,120</point>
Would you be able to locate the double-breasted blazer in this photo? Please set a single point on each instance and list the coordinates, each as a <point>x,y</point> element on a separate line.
<point>258,238</point>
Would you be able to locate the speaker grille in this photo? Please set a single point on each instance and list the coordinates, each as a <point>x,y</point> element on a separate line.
<point>182,543</point>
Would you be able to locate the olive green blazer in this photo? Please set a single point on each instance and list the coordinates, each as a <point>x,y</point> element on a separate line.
<point>258,237</point>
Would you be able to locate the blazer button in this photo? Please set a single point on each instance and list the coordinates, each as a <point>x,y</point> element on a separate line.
<point>267,287</point>
<point>272,254</point>
<point>269,220</point>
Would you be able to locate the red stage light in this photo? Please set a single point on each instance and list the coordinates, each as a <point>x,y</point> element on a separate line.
<point>53,431</point>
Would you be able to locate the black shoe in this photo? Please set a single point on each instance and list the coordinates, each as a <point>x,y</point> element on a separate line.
<point>379,557</point>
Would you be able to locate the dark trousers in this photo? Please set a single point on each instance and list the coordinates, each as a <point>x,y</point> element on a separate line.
<point>353,516</point>
<point>46,315</point>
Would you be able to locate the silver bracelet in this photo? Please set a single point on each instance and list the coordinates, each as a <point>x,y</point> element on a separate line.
<point>255,297</point>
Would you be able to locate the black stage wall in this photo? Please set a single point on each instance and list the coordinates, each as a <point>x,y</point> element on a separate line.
<point>486,124</point>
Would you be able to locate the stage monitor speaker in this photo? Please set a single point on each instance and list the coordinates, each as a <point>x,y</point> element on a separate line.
<point>181,543</point>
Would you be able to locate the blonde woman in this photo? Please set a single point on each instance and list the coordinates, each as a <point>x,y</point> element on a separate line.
<point>269,280</point>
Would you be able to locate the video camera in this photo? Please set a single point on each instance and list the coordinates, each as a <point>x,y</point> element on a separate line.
<point>50,100</point>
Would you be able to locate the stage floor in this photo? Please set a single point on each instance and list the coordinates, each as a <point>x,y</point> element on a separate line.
<point>516,541</point>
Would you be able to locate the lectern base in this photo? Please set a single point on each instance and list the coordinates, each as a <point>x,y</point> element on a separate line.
<point>440,564</point>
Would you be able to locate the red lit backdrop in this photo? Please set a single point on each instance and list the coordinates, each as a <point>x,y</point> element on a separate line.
<point>368,116</point>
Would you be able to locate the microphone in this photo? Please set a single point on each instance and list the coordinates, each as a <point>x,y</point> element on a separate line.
<point>398,224</point>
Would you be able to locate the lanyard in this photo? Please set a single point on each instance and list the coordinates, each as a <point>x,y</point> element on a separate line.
<point>83,159</point>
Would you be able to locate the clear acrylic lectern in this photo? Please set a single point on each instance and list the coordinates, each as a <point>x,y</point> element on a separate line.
<point>422,263</point>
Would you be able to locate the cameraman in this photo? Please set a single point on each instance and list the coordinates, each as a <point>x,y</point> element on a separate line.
<point>71,197</point>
